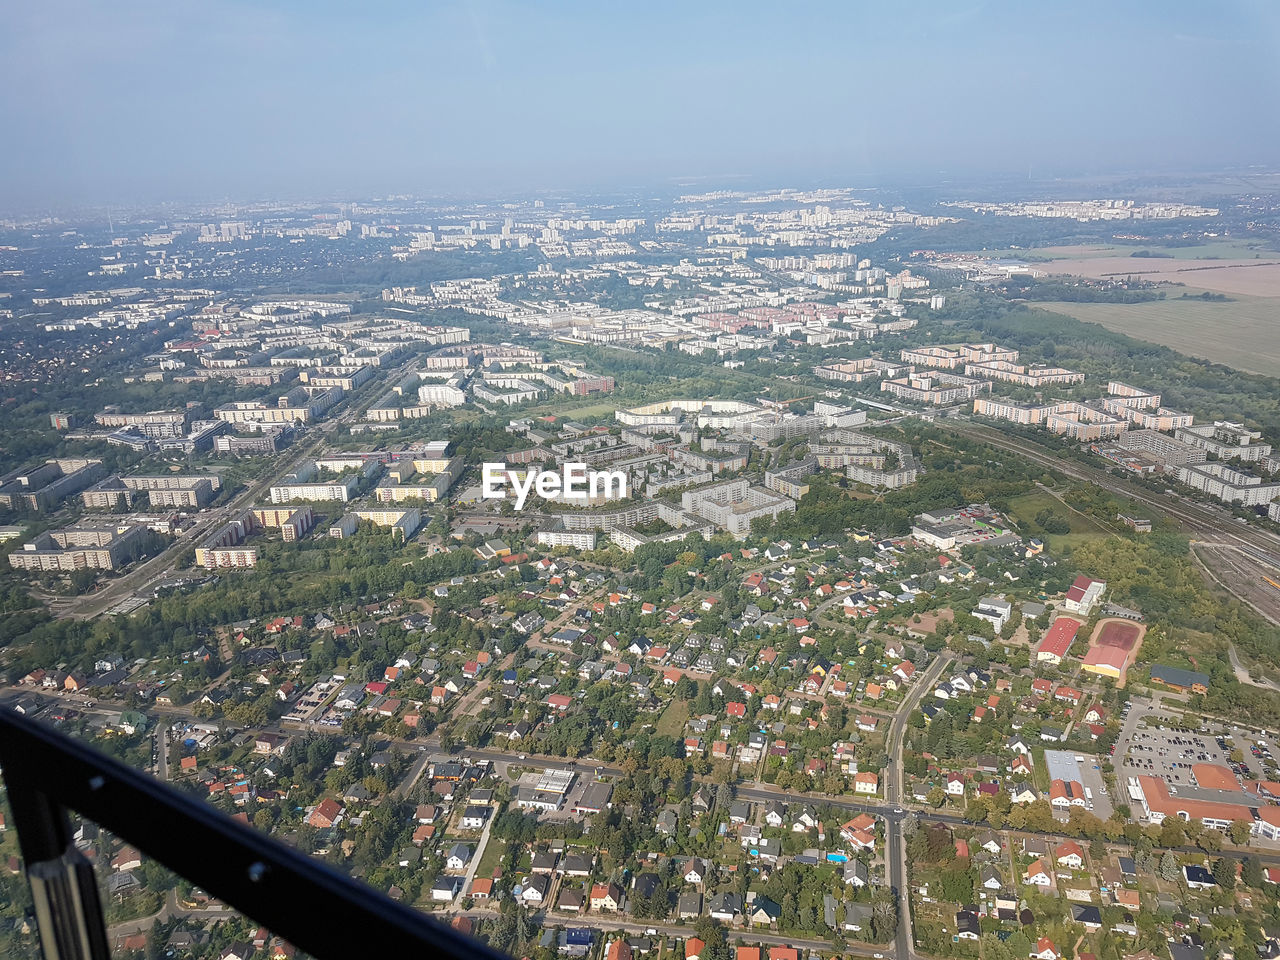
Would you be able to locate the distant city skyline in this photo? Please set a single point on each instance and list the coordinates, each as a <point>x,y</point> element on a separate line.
<point>159,101</point>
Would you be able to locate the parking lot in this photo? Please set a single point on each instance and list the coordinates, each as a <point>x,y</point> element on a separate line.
<point>1160,744</point>
<point>1260,752</point>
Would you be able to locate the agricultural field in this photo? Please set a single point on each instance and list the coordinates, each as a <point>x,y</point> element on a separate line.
<point>1240,333</point>
<point>1216,250</point>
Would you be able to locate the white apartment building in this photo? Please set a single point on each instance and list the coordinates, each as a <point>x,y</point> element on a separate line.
<point>1231,486</point>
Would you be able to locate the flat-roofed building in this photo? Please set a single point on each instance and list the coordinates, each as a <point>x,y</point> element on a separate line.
<point>734,505</point>
<point>1226,440</point>
<point>85,546</point>
<point>402,523</point>
<point>223,547</point>
<point>1229,485</point>
<point>160,425</point>
<point>577,539</point>
<point>341,489</point>
<point>293,522</point>
<point>1169,451</point>
<point>936,388</point>
<point>108,494</point>
<point>175,490</point>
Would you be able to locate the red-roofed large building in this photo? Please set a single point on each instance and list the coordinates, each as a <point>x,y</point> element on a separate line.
<point>1158,803</point>
<point>1106,661</point>
<point>1057,640</point>
<point>1084,595</point>
<point>1267,825</point>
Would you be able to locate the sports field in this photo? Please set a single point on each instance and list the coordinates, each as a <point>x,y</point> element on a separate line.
<point>1117,633</point>
<point>1113,648</point>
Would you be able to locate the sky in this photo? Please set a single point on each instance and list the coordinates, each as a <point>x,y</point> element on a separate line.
<point>153,100</point>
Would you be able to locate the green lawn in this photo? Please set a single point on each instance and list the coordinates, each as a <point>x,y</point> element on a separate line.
<point>673,719</point>
<point>1083,529</point>
<point>493,851</point>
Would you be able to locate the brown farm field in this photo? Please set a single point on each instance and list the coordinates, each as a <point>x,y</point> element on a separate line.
<point>1251,278</point>
<point>1243,333</point>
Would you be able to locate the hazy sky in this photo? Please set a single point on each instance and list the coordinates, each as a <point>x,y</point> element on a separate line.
<point>160,99</point>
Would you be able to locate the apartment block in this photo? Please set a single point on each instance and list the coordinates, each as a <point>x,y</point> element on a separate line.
<point>293,522</point>
<point>1162,447</point>
<point>223,547</point>
<point>577,539</point>
<point>956,356</point>
<point>1231,486</point>
<point>936,388</point>
<point>46,485</point>
<point>1022,375</point>
<point>733,506</point>
<point>341,489</point>
<point>175,490</point>
<point>161,425</point>
<point>1226,440</point>
<point>403,524</point>
<point>86,546</point>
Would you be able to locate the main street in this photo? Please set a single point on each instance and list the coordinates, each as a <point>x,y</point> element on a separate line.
<point>895,841</point>
<point>163,564</point>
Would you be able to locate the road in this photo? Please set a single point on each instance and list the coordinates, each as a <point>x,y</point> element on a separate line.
<point>162,751</point>
<point>613,922</point>
<point>895,841</point>
<point>171,910</point>
<point>162,565</point>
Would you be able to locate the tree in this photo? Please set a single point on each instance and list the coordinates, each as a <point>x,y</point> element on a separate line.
<point>1240,831</point>
<point>1251,873</point>
<point>724,796</point>
<point>1224,872</point>
<point>806,918</point>
<point>1169,869</point>
<point>1210,841</point>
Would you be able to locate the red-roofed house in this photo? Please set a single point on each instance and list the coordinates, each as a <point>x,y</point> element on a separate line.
<point>325,814</point>
<point>1069,854</point>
